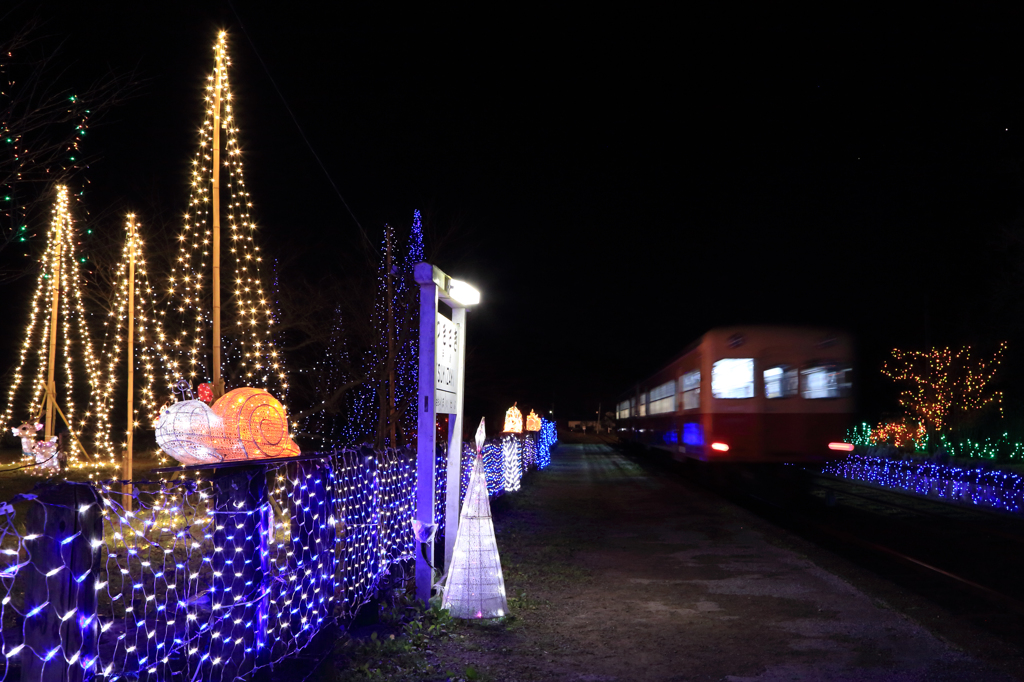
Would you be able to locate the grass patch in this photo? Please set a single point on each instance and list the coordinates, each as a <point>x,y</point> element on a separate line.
<point>401,648</point>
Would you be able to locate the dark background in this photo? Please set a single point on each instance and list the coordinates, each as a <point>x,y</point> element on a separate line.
<point>620,180</point>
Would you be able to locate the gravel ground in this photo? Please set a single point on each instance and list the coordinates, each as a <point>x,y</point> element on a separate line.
<point>614,573</point>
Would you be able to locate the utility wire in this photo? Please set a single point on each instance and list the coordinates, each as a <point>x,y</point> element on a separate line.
<point>366,239</point>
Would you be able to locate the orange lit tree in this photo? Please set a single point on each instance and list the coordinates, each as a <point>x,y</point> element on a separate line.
<point>945,389</point>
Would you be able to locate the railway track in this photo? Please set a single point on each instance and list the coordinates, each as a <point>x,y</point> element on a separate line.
<point>968,562</point>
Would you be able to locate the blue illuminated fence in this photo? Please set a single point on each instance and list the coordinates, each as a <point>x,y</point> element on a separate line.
<point>974,485</point>
<point>209,577</point>
<point>214,573</point>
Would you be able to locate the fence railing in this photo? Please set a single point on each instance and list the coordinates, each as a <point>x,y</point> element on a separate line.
<point>212,573</point>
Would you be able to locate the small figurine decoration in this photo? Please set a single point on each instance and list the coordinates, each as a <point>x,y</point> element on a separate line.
<point>532,421</point>
<point>44,452</point>
<point>205,392</point>
<point>513,420</point>
<point>246,423</point>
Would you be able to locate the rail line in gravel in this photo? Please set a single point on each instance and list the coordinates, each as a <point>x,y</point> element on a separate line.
<point>966,561</point>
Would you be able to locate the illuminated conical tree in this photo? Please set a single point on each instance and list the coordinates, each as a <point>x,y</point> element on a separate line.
<point>474,586</point>
<point>147,328</point>
<point>249,355</point>
<point>70,341</point>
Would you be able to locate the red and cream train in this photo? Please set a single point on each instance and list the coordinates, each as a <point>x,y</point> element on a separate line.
<point>747,394</point>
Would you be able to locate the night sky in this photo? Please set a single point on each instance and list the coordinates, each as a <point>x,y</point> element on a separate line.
<point>619,180</point>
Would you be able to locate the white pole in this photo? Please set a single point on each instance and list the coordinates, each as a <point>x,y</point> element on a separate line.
<point>451,511</point>
<point>426,431</point>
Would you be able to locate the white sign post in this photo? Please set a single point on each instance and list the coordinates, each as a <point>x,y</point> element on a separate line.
<point>441,390</point>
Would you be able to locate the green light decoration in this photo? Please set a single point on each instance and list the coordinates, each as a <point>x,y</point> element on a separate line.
<point>1001,447</point>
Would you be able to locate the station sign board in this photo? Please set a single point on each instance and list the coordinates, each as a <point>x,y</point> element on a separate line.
<point>446,365</point>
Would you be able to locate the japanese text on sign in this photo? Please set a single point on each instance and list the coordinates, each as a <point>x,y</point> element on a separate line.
<point>446,372</point>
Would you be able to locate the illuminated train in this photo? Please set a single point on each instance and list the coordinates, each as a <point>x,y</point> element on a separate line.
<point>747,394</point>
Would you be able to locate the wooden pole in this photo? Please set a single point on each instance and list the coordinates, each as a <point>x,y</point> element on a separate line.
<point>127,498</point>
<point>54,304</point>
<point>218,383</point>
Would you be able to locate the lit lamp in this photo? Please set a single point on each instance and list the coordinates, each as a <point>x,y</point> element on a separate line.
<point>463,293</point>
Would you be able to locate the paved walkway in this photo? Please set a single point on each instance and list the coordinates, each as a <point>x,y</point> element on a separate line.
<point>619,574</point>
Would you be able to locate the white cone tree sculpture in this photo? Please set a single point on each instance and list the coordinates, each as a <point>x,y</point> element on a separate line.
<point>474,586</point>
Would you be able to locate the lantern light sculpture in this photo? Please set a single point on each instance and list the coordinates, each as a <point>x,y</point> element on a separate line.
<point>513,420</point>
<point>532,421</point>
<point>475,587</point>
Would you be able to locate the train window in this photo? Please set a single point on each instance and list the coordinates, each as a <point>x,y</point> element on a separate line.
<point>781,381</point>
<point>825,380</point>
<point>622,410</point>
<point>643,405</point>
<point>691,390</point>
<point>663,398</point>
<point>732,378</point>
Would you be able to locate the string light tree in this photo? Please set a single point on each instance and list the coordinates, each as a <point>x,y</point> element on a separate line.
<point>333,376</point>
<point>372,403</point>
<point>409,350</point>
<point>244,351</point>
<point>132,318</point>
<point>946,391</point>
<point>64,330</point>
<point>380,406</point>
<point>474,586</point>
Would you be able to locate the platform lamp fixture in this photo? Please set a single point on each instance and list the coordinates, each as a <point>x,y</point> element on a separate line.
<point>442,365</point>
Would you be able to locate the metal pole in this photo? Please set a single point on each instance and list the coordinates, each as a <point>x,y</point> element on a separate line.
<point>455,421</point>
<point>391,351</point>
<point>54,305</point>
<point>426,433</point>
<point>127,489</point>
<point>218,384</point>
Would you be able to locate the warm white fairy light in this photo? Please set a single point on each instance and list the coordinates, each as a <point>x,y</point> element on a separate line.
<point>58,265</point>
<point>147,327</point>
<point>248,344</point>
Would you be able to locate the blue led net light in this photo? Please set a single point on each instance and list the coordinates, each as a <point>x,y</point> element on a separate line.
<point>972,485</point>
<point>529,449</point>
<point>212,579</point>
<point>547,437</point>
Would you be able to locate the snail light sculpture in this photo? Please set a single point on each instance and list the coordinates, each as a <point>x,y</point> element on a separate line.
<point>246,423</point>
<point>255,425</point>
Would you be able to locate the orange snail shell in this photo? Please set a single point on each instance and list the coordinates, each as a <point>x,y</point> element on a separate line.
<point>254,425</point>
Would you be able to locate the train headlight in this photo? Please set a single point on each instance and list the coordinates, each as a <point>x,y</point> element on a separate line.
<point>842,447</point>
<point>720,447</point>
